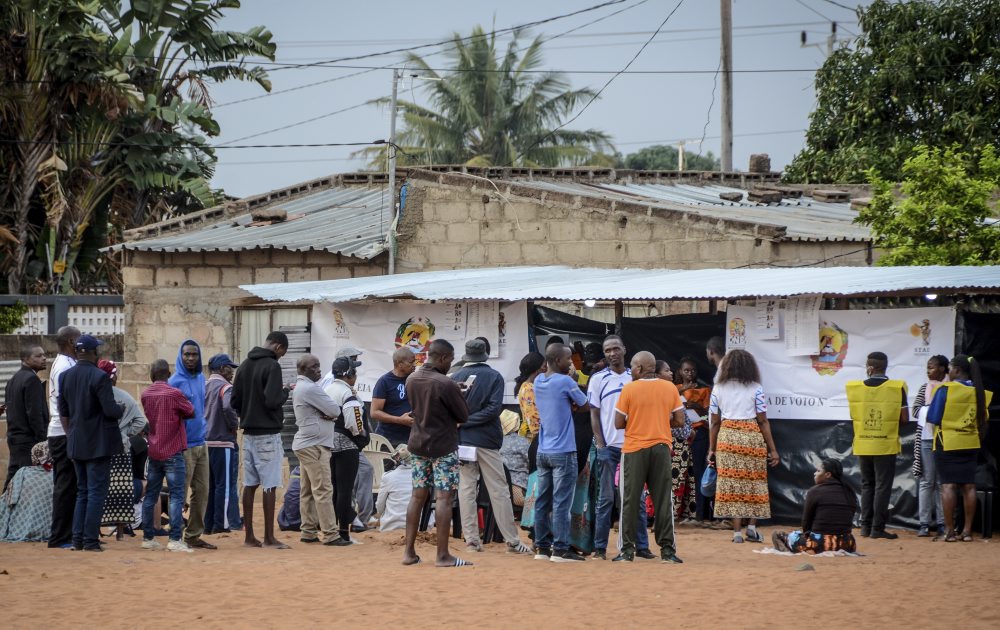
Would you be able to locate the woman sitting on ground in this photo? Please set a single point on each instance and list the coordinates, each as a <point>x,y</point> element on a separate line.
<point>26,505</point>
<point>958,412</point>
<point>826,517</point>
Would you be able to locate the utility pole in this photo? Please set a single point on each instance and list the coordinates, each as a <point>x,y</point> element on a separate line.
<point>726,65</point>
<point>391,148</point>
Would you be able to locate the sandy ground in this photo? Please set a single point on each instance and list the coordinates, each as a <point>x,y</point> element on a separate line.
<point>909,582</point>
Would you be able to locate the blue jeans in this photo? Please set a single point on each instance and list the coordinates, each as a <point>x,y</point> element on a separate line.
<point>223,496</point>
<point>929,498</point>
<point>93,478</point>
<point>556,483</point>
<point>174,470</point>
<point>607,463</point>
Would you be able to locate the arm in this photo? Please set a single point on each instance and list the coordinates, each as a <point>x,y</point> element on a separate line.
<point>320,400</point>
<point>765,430</point>
<point>236,398</point>
<point>275,393</point>
<point>904,410</point>
<point>919,401</point>
<point>454,402</point>
<point>595,425</point>
<point>493,404</point>
<point>63,409</point>
<point>809,511</point>
<point>36,407</point>
<point>677,418</point>
<point>620,419</point>
<point>378,413</point>
<point>133,414</point>
<point>228,411</point>
<point>383,498</point>
<point>936,411</point>
<point>713,436</point>
<point>184,408</point>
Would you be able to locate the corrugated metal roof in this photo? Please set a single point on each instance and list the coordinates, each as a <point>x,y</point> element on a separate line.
<point>804,218</point>
<point>348,220</point>
<point>574,284</point>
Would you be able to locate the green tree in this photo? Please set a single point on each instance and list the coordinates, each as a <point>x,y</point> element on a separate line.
<point>491,110</point>
<point>921,72</point>
<point>662,157</point>
<point>944,214</point>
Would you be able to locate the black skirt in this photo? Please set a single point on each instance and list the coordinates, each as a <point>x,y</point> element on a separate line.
<point>956,466</point>
<point>119,506</point>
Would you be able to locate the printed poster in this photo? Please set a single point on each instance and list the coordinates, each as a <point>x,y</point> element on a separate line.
<point>377,329</point>
<point>811,387</point>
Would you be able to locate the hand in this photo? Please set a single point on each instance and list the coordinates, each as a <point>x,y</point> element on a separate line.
<point>710,460</point>
<point>407,418</point>
<point>3,409</point>
<point>773,459</point>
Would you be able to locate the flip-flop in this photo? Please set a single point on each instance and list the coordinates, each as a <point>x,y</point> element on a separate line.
<point>951,537</point>
<point>458,563</point>
<point>966,537</point>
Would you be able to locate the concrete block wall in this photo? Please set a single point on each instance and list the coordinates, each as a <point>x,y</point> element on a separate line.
<point>170,297</point>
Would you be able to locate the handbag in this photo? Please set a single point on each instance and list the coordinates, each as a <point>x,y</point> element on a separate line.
<point>708,480</point>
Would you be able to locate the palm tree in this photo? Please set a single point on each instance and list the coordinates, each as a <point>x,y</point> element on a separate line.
<point>496,109</point>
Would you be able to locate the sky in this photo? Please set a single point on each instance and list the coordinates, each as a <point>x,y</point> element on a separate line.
<point>652,104</point>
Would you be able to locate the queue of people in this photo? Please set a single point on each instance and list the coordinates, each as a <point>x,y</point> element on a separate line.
<point>589,442</point>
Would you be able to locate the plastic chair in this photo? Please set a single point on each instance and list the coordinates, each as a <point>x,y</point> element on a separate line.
<point>379,444</point>
<point>376,459</point>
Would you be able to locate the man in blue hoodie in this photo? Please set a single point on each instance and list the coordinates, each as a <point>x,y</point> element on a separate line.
<point>189,378</point>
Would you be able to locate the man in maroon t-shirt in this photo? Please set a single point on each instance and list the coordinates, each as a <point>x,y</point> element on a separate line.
<point>166,409</point>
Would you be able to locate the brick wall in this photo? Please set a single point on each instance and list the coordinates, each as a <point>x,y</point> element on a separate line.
<point>173,297</point>
<point>454,221</point>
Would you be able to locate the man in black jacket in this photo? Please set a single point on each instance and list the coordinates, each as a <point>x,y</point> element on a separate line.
<point>27,410</point>
<point>258,396</point>
<point>90,416</point>
<point>480,439</point>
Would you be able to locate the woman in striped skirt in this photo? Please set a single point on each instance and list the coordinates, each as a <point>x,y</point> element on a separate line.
<point>741,447</point>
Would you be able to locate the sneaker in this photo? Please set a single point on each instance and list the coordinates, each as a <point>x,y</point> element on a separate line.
<point>779,540</point>
<point>924,532</point>
<point>624,557</point>
<point>600,554</point>
<point>518,547</point>
<point>179,546</point>
<point>543,553</point>
<point>670,558</point>
<point>754,536</point>
<point>884,534</point>
<point>339,541</point>
<point>738,537</point>
<point>474,546</point>
<point>645,554</point>
<point>566,556</point>
<point>151,544</point>
<point>308,540</point>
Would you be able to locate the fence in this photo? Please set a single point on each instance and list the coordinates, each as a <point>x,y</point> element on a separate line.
<point>92,314</point>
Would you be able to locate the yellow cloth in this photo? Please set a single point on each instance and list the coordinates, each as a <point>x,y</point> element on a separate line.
<point>875,414</point>
<point>959,428</point>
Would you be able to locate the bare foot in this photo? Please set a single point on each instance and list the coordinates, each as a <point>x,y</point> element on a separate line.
<point>408,559</point>
<point>276,544</point>
<point>252,542</point>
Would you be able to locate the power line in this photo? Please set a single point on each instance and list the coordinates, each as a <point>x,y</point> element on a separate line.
<point>292,89</point>
<point>608,82</point>
<point>849,32</point>
<point>192,145</point>
<point>842,6</point>
<point>296,124</point>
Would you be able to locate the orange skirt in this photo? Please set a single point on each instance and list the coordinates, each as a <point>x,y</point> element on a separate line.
<point>741,462</point>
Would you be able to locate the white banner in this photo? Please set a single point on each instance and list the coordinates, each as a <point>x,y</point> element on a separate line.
<point>812,387</point>
<point>378,329</point>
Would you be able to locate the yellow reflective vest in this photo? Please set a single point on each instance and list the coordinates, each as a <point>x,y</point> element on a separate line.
<point>959,428</point>
<point>875,414</point>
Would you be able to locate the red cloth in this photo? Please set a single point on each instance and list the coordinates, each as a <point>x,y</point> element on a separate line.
<point>166,410</point>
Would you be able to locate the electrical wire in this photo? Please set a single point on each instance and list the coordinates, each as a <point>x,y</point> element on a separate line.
<point>295,124</point>
<point>191,145</point>
<point>711,104</point>
<point>848,31</point>
<point>292,89</point>
<point>842,6</point>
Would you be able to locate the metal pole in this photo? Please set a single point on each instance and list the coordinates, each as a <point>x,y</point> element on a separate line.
<point>680,155</point>
<point>396,75</point>
<point>726,10</point>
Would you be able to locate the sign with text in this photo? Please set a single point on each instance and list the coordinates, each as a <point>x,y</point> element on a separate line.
<point>811,387</point>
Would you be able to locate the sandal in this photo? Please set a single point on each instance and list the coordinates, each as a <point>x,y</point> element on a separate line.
<point>951,537</point>
<point>966,537</point>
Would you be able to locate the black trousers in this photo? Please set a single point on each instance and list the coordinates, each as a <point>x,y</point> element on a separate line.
<point>877,473</point>
<point>344,470</point>
<point>699,456</point>
<point>63,493</point>
<point>20,456</point>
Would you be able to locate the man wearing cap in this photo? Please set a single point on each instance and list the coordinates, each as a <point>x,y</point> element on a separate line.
<point>350,431</point>
<point>189,378</point>
<point>90,416</point>
<point>27,410</point>
<point>349,352</point>
<point>222,513</point>
<point>480,439</point>
<point>315,413</point>
<point>63,472</point>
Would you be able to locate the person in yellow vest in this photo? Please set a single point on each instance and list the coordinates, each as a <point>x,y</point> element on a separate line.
<point>958,412</point>
<point>878,408</point>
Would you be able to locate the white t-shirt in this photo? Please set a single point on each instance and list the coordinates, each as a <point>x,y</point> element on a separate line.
<point>603,391</point>
<point>60,365</point>
<point>738,401</point>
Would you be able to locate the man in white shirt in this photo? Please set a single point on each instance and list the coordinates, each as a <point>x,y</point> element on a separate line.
<point>63,471</point>
<point>603,390</point>
<point>394,495</point>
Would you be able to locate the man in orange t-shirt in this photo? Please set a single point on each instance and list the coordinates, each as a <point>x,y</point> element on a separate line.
<point>646,409</point>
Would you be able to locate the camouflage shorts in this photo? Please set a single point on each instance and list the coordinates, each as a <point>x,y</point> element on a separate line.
<point>435,472</point>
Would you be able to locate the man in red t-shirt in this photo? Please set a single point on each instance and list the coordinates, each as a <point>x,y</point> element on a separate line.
<point>646,409</point>
<point>166,408</point>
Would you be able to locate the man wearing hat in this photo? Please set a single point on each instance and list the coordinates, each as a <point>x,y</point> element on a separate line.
<point>480,439</point>
<point>350,352</point>
<point>90,415</point>
<point>350,430</point>
<point>223,511</point>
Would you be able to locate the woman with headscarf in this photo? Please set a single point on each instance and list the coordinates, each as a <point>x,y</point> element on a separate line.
<point>826,517</point>
<point>26,505</point>
<point>119,508</point>
<point>959,411</point>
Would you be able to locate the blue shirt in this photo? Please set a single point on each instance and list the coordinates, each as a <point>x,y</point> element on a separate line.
<point>392,390</point>
<point>936,411</point>
<point>553,397</point>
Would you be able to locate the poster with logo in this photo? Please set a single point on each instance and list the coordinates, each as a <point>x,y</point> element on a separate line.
<point>812,387</point>
<point>378,329</point>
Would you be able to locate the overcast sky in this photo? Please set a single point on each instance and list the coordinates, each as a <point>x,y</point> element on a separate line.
<point>771,109</point>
